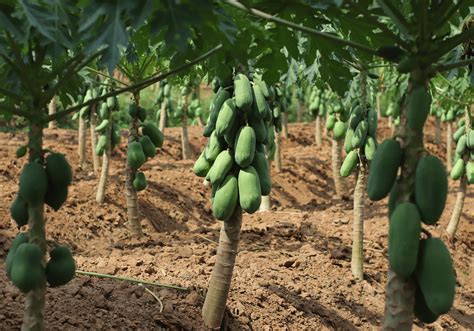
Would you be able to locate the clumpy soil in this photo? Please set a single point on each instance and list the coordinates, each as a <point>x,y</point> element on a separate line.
<point>292,270</point>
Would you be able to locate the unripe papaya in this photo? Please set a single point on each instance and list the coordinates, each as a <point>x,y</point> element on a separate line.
<point>148,147</point>
<point>461,145</point>
<point>339,130</point>
<point>260,130</point>
<point>458,170</point>
<point>260,103</point>
<point>404,238</point>
<point>103,110</point>
<point>21,151</point>
<point>470,172</point>
<point>58,170</point>
<point>435,275</point>
<point>102,126</point>
<point>369,148</point>
<point>431,188</point>
<point>422,311</point>
<point>226,117</point>
<point>21,238</point>
<point>260,164</point>
<point>33,184</point>
<point>470,139</point>
<point>459,133</point>
<point>216,104</point>
<point>139,182</point>
<point>221,167</point>
<point>135,155</point>
<point>101,144</point>
<point>264,87</point>
<point>349,163</point>
<point>213,148</point>
<point>372,118</point>
<point>111,102</point>
<point>61,268</point>
<point>230,135</point>
<point>133,110</point>
<point>330,122</point>
<point>167,90</point>
<point>384,169</point>
<point>225,198</point>
<point>250,194</point>
<point>115,137</point>
<point>27,272</point>
<point>201,166</point>
<point>359,134</point>
<point>243,92</point>
<point>245,146</point>
<point>154,133</point>
<point>393,198</point>
<point>348,140</point>
<point>19,211</point>
<point>357,115</point>
<point>418,107</point>
<point>56,196</point>
<point>141,114</point>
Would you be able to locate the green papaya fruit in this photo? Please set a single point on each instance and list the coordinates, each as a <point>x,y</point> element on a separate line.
<point>470,139</point>
<point>27,272</point>
<point>19,211</point>
<point>103,111</point>
<point>263,86</point>
<point>339,130</point>
<point>357,116</point>
<point>393,197</point>
<point>431,188</point>
<point>167,90</point>
<point>202,166</point>
<point>154,133</point>
<point>139,182</point>
<point>111,103</point>
<point>230,135</point>
<point>148,147</point>
<point>435,275</point>
<point>141,114</point>
<point>61,267</point>
<point>458,170</point>
<point>384,169</point>
<point>330,122</point>
<point>115,137</point>
<point>250,194</point>
<point>359,134</point>
<point>372,118</point>
<point>369,148</point>
<point>216,104</point>
<point>260,130</point>
<point>221,167</point>
<point>208,129</point>
<point>459,133</point>
<point>260,164</point>
<point>133,110</point>
<point>56,196</point>
<point>225,198</point>
<point>135,155</point>
<point>243,92</point>
<point>421,310</point>
<point>348,140</point>
<point>101,145</point>
<point>461,145</point>
<point>33,184</point>
<point>470,172</point>
<point>260,103</point>
<point>58,170</point>
<point>102,126</point>
<point>349,163</point>
<point>20,238</point>
<point>21,151</point>
<point>404,238</point>
<point>418,107</point>
<point>226,117</point>
<point>213,148</point>
<point>450,115</point>
<point>245,146</point>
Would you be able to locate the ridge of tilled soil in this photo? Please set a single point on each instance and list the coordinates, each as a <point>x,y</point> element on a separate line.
<point>293,267</point>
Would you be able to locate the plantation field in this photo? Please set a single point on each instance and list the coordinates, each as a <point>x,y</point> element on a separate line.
<point>293,266</point>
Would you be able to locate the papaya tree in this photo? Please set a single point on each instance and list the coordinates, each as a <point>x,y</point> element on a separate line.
<point>317,109</point>
<point>421,278</point>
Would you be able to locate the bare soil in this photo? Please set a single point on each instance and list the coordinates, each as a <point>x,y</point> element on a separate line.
<point>292,270</point>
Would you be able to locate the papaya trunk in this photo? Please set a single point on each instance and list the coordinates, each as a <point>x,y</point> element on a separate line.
<point>163,118</point>
<point>357,261</point>
<point>82,142</point>
<point>52,107</point>
<point>185,146</point>
<point>299,114</point>
<point>33,318</point>
<point>266,203</point>
<point>449,146</point>
<point>284,129</point>
<point>104,174</point>
<point>457,211</point>
<point>219,285</point>
<point>378,104</point>
<point>130,192</point>
<point>317,131</point>
<point>437,137</point>
<point>339,184</point>
<point>93,124</point>
<point>399,303</point>
<point>277,152</point>
<point>199,120</point>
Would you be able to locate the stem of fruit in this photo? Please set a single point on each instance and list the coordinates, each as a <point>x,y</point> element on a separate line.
<point>130,192</point>
<point>104,174</point>
<point>400,293</point>
<point>93,124</point>
<point>219,285</point>
<point>33,317</point>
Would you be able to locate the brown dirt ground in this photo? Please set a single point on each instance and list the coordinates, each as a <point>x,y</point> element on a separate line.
<point>293,267</point>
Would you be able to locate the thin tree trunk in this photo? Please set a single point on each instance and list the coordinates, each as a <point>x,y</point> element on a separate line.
<point>200,123</point>
<point>390,122</point>
<point>449,146</point>
<point>82,142</point>
<point>104,174</point>
<point>33,318</point>
<point>399,303</point>
<point>299,114</point>
<point>284,129</point>
<point>93,124</point>
<point>219,285</point>
<point>185,146</point>
<point>52,107</point>
<point>339,183</point>
<point>163,116</point>
<point>457,211</point>
<point>357,261</point>
<point>437,137</point>
<point>378,104</point>
<point>317,131</point>
<point>278,166</point>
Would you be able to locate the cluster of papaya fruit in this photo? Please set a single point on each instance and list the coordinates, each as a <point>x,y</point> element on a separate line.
<point>38,184</point>
<point>464,158</point>
<point>337,119</point>
<point>144,147</point>
<point>163,98</point>
<point>240,124</point>
<point>278,103</point>
<point>426,260</point>
<point>361,137</point>
<point>25,269</point>
<point>111,104</point>
<point>317,102</point>
<point>194,108</point>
